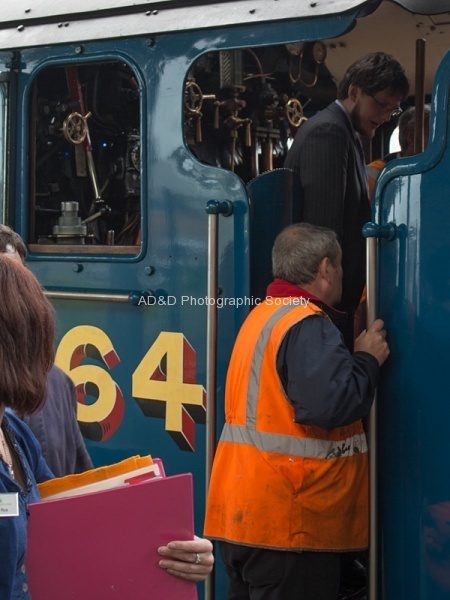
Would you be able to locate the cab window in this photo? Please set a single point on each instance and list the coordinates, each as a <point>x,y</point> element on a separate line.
<point>85,178</point>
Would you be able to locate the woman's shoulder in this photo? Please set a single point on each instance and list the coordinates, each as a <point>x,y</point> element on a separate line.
<point>17,425</point>
<point>28,444</point>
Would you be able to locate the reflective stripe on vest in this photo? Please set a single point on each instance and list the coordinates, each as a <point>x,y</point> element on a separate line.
<point>283,444</point>
<point>292,445</point>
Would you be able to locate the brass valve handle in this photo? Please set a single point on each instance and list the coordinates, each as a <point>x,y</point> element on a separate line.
<point>193,98</point>
<point>294,112</point>
<point>75,128</point>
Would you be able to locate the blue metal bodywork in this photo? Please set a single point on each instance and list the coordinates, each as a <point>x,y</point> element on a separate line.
<point>414,290</point>
<point>414,408</point>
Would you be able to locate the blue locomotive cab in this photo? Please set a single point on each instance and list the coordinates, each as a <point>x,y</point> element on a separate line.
<point>142,149</point>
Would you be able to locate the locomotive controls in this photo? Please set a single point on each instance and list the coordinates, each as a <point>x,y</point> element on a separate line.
<point>240,109</point>
<point>85,178</point>
<point>258,104</point>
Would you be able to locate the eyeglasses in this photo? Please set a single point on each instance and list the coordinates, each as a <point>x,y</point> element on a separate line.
<point>396,112</point>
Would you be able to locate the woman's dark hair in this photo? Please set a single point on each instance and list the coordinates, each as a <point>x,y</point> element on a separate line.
<point>373,73</point>
<point>26,338</point>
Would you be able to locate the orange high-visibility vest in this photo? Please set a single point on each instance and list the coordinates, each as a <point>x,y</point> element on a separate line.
<point>373,170</point>
<point>275,483</point>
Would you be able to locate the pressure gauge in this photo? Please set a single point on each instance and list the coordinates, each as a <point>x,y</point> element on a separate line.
<point>136,156</point>
<point>295,48</point>
<point>319,52</point>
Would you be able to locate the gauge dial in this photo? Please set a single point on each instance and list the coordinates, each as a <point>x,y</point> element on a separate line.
<point>295,48</point>
<point>319,52</point>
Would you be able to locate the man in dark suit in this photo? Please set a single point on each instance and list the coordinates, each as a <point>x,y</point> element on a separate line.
<point>327,154</point>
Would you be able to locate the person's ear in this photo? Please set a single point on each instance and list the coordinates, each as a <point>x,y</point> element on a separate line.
<point>324,266</point>
<point>354,92</point>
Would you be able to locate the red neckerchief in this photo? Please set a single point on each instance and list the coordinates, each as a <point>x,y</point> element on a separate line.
<point>280,288</point>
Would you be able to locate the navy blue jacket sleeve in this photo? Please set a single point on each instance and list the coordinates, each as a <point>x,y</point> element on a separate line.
<point>83,460</point>
<point>56,427</point>
<point>327,385</point>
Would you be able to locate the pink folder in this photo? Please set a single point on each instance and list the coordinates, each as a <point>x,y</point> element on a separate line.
<point>103,545</point>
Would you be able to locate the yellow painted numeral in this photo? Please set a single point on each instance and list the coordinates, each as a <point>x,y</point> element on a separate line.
<point>100,419</point>
<point>164,386</point>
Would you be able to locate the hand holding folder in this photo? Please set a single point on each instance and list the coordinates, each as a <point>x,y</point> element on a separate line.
<point>103,545</point>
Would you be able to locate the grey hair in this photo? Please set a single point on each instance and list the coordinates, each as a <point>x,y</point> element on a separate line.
<point>407,123</point>
<point>299,249</point>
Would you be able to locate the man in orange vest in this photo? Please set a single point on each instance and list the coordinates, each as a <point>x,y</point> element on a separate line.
<point>289,484</point>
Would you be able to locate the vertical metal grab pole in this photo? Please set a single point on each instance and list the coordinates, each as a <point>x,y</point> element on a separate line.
<point>211,342</point>
<point>371,252</point>
<point>213,209</point>
<point>372,232</point>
